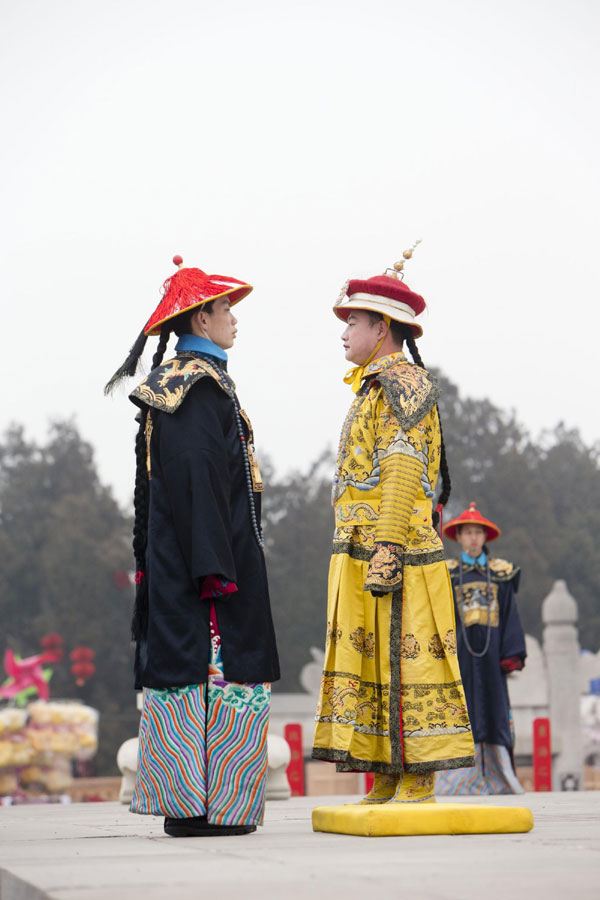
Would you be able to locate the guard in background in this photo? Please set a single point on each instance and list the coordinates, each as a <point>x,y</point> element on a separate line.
<point>491,643</point>
<point>205,645</point>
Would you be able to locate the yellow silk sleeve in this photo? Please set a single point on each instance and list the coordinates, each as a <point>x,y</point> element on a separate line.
<point>401,468</point>
<point>400,478</point>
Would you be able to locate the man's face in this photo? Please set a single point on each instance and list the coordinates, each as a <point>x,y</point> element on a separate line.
<point>360,336</point>
<point>218,325</point>
<point>472,538</point>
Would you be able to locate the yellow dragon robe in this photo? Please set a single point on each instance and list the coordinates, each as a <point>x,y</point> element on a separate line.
<point>391,697</point>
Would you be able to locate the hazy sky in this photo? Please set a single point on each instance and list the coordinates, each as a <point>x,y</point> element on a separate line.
<point>294,146</point>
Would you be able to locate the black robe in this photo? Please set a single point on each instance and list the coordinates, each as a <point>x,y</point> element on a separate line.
<point>199,524</point>
<point>484,681</point>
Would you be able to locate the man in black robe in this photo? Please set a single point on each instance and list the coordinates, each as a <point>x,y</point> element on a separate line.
<point>205,644</point>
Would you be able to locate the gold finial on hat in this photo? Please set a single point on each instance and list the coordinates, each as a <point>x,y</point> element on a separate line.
<point>398,270</point>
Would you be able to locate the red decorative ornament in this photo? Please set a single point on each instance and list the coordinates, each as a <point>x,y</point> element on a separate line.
<point>295,769</point>
<point>25,673</point>
<point>178,260</point>
<point>82,667</point>
<point>51,641</point>
<point>82,654</point>
<point>82,672</point>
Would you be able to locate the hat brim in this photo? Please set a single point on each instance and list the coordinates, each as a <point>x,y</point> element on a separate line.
<point>235,295</point>
<point>384,307</point>
<point>492,532</point>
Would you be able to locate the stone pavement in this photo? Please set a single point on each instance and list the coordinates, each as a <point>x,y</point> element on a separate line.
<point>99,851</point>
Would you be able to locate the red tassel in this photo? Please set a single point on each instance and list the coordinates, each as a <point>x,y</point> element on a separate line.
<point>138,576</point>
<point>440,509</point>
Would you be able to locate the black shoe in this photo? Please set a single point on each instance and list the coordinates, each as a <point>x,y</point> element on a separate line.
<point>197,826</point>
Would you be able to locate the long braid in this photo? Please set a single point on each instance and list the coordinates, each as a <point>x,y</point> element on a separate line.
<point>140,505</point>
<point>412,346</point>
<point>445,473</point>
<point>163,340</point>
<point>444,470</point>
<point>140,532</point>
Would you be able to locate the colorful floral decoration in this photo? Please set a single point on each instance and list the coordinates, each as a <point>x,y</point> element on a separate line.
<point>24,674</point>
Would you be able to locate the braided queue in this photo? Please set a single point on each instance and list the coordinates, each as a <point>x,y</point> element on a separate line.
<point>403,334</point>
<point>444,470</point>
<point>140,506</point>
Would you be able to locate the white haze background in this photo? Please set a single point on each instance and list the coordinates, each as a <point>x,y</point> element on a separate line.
<point>294,146</point>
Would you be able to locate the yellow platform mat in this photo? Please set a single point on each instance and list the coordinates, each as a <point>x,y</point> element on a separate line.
<point>386,819</point>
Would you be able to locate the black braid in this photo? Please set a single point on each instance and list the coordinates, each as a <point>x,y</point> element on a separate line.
<point>412,346</point>
<point>445,473</point>
<point>140,505</point>
<point>163,340</point>
<point>403,334</point>
<point>140,533</point>
<point>444,470</point>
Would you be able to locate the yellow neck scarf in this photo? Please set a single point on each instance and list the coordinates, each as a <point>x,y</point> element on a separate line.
<point>355,375</point>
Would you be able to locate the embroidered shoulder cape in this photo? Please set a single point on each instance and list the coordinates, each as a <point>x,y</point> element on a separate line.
<point>166,387</point>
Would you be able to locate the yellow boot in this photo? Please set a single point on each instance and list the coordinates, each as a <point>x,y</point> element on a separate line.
<point>384,788</point>
<point>414,788</point>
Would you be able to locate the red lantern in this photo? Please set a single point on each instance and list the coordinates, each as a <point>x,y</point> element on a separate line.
<point>82,672</point>
<point>82,654</point>
<point>52,643</point>
<point>82,667</point>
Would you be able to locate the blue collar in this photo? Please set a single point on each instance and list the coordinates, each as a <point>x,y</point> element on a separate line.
<point>201,345</point>
<point>470,561</point>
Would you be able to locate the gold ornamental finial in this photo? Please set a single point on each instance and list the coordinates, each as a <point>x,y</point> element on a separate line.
<point>398,270</point>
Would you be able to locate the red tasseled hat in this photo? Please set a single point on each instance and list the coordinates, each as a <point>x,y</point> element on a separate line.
<point>189,288</point>
<point>383,294</point>
<point>471,516</point>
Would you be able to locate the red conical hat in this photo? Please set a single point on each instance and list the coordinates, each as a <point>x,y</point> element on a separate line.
<point>471,516</point>
<point>189,288</point>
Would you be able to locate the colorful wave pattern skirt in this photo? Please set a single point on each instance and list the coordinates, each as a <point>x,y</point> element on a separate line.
<point>203,749</point>
<point>492,773</point>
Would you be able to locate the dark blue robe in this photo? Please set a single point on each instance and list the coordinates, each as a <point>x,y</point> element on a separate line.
<point>483,679</point>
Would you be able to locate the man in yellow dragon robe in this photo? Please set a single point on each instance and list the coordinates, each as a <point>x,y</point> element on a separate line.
<point>391,699</point>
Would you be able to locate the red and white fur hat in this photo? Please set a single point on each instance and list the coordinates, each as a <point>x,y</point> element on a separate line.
<point>385,294</point>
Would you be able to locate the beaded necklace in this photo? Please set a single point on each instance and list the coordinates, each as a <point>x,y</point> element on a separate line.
<point>255,526</point>
<point>476,653</point>
<point>226,381</point>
